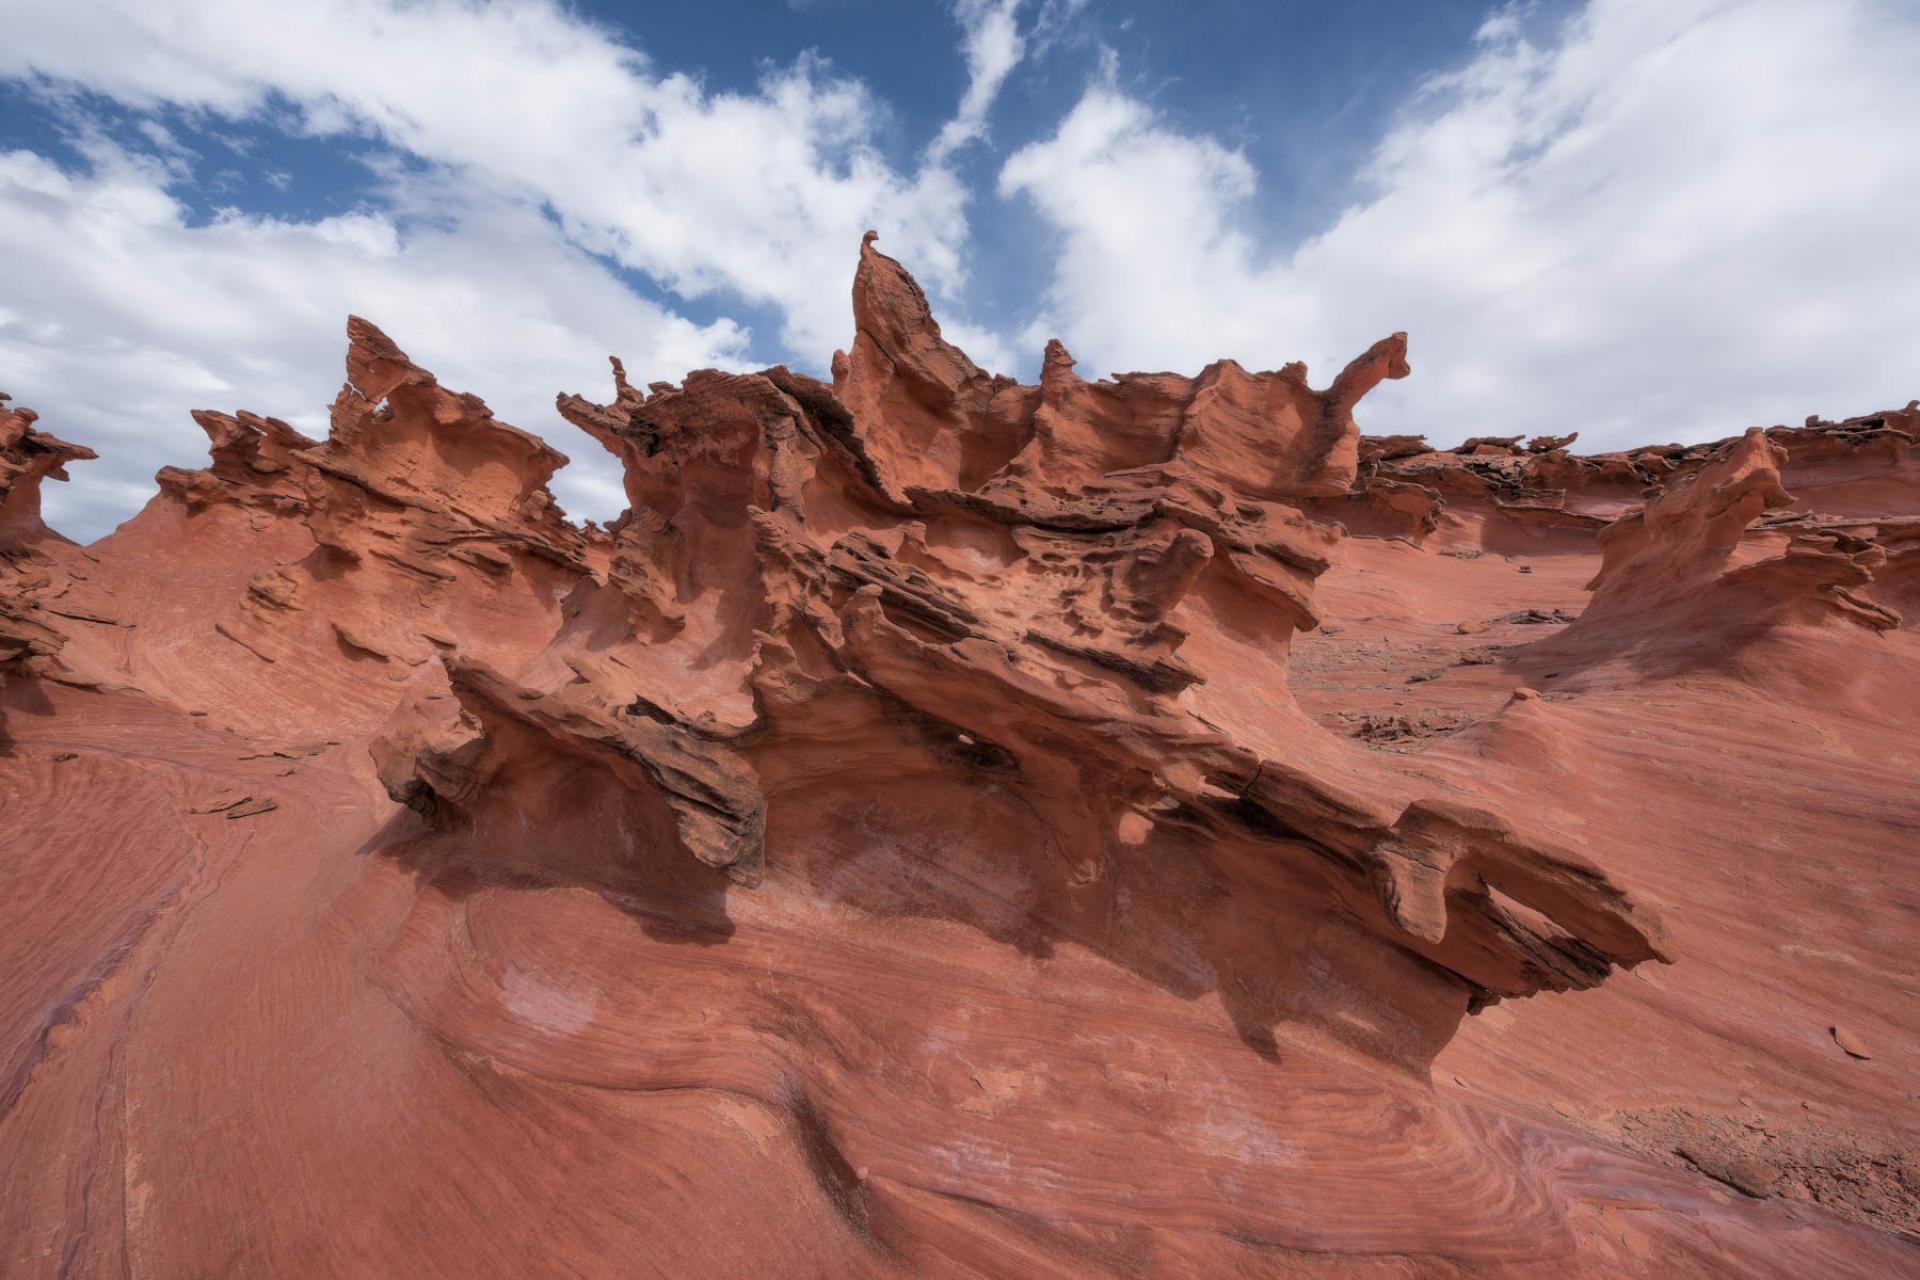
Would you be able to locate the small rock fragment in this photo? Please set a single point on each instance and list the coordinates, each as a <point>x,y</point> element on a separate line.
<point>221,804</point>
<point>1849,1043</point>
<point>1746,1173</point>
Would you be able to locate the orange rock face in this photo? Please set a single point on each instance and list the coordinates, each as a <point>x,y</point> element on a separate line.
<point>948,827</point>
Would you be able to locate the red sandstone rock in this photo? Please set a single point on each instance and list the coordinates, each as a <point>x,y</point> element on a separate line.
<point>952,827</point>
<point>1850,1043</point>
<point>28,456</point>
<point>35,581</point>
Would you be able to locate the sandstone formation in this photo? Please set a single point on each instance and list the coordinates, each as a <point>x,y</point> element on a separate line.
<point>32,577</point>
<point>948,826</point>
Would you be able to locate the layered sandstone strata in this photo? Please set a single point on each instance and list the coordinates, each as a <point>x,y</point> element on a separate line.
<point>948,826</point>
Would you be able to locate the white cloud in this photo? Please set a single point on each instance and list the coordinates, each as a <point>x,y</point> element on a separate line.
<point>1673,218</point>
<point>993,46</point>
<point>1679,218</point>
<point>120,315</point>
<point>761,194</point>
<point>547,143</point>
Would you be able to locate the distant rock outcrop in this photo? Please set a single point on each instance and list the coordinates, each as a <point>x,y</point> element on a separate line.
<point>33,559</point>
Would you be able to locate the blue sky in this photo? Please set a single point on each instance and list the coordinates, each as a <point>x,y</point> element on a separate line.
<point>1640,219</point>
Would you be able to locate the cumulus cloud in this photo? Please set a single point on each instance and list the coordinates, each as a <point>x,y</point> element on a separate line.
<point>526,143</point>
<point>993,45</point>
<point>1672,219</point>
<point>756,194</point>
<point>1659,219</point>
<point>119,313</point>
